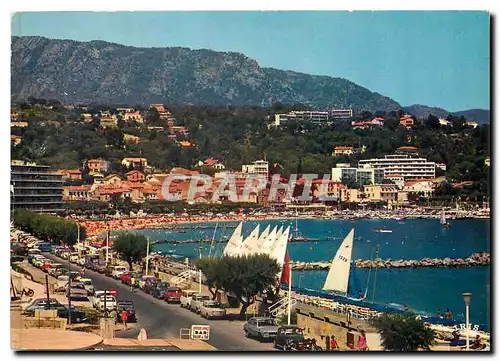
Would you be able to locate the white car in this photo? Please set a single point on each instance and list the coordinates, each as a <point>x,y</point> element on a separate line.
<point>95,298</point>
<point>74,257</point>
<point>197,300</point>
<point>186,298</point>
<point>110,303</point>
<point>39,261</point>
<point>62,282</point>
<point>87,283</point>
<point>118,271</point>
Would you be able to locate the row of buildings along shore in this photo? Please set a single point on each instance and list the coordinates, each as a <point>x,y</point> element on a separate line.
<point>392,179</point>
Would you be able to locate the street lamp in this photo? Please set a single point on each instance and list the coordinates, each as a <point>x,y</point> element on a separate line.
<point>289,292</point>
<point>467,296</point>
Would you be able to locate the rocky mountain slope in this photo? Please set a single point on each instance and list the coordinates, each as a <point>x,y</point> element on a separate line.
<point>102,72</point>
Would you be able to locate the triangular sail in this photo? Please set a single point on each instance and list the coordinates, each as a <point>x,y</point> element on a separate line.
<point>279,251</point>
<point>233,246</point>
<point>269,241</point>
<point>338,276</point>
<point>250,244</point>
<point>263,238</point>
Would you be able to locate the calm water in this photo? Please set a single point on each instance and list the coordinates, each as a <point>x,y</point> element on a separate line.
<point>420,289</point>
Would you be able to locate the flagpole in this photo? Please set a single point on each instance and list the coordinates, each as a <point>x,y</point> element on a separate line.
<point>289,292</point>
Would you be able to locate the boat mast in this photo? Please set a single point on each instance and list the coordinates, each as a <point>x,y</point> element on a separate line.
<point>213,239</point>
<point>377,254</point>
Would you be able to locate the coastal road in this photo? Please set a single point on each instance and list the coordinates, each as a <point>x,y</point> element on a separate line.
<point>163,320</point>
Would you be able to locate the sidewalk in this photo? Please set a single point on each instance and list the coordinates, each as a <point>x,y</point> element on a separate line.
<point>55,340</point>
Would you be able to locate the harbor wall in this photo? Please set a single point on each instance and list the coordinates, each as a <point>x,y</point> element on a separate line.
<point>476,259</point>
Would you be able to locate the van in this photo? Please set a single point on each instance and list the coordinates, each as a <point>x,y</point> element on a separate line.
<point>118,271</point>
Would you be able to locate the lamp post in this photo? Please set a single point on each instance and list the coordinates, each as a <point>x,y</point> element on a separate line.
<point>467,296</point>
<point>289,292</point>
<point>147,256</point>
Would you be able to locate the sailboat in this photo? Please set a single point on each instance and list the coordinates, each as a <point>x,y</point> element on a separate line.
<point>249,245</point>
<point>233,246</point>
<point>443,221</point>
<point>337,281</point>
<point>296,233</point>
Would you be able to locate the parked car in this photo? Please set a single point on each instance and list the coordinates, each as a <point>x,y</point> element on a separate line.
<point>127,306</point>
<point>146,280</point>
<point>117,271</point>
<point>15,258</point>
<point>89,286</point>
<point>287,335</point>
<point>41,303</point>
<point>100,267</point>
<point>46,265</point>
<point>125,277</point>
<point>159,289</point>
<point>172,295</point>
<point>45,247</point>
<point>77,290</point>
<point>263,328</point>
<point>212,309</point>
<point>77,316</point>
<point>33,253</point>
<point>51,270</point>
<point>74,257</point>
<point>110,303</point>
<point>95,298</point>
<point>38,261</point>
<point>186,298</point>
<point>197,300</point>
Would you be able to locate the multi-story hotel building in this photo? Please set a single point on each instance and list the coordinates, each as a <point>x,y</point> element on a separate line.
<point>260,167</point>
<point>312,116</point>
<point>36,188</point>
<point>408,167</point>
<point>341,113</point>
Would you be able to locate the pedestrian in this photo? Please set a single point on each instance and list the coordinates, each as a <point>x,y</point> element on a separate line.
<point>83,272</point>
<point>334,346</point>
<point>114,315</point>
<point>448,315</point>
<point>438,313</point>
<point>124,317</point>
<point>362,346</point>
<point>132,283</point>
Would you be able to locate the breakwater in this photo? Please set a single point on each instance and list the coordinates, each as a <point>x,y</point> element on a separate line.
<point>476,259</point>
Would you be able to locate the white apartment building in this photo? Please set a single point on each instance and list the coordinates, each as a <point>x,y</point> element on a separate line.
<point>257,167</point>
<point>341,113</point>
<point>343,171</point>
<point>312,116</point>
<point>410,168</point>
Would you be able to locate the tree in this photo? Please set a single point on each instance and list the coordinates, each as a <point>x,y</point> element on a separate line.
<point>210,268</point>
<point>131,247</point>
<point>245,276</point>
<point>403,332</point>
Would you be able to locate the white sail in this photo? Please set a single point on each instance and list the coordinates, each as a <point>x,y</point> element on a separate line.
<point>269,241</point>
<point>250,243</point>
<point>263,238</point>
<point>233,246</point>
<point>443,217</point>
<point>279,251</point>
<point>338,276</point>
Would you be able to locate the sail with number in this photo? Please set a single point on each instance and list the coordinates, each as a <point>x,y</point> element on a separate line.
<point>262,239</point>
<point>233,246</point>
<point>338,276</point>
<point>269,241</point>
<point>279,250</point>
<point>250,243</point>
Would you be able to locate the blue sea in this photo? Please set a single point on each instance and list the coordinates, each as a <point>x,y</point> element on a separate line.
<point>422,289</point>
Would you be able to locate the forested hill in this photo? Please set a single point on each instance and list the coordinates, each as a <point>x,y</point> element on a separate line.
<point>102,72</point>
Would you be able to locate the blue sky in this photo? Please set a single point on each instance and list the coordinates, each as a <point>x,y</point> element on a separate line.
<point>432,58</point>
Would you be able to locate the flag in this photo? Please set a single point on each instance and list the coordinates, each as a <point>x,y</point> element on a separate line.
<point>285,275</point>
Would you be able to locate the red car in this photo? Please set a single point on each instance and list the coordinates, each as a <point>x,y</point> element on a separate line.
<point>125,277</point>
<point>45,267</point>
<point>172,294</point>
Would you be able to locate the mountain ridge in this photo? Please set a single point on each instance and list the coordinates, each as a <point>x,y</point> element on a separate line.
<point>110,72</point>
<point>481,116</point>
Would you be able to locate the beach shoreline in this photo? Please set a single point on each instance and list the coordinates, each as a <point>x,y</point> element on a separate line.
<point>98,227</point>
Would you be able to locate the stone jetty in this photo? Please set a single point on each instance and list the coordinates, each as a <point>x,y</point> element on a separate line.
<point>476,259</point>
